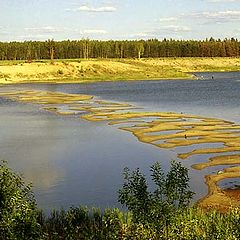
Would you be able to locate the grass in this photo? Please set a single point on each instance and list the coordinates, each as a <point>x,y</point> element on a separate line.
<point>92,70</point>
<point>188,224</point>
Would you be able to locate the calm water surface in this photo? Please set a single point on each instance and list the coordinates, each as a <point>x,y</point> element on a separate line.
<point>71,161</point>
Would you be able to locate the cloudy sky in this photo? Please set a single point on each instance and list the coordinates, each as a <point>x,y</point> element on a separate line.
<point>118,19</point>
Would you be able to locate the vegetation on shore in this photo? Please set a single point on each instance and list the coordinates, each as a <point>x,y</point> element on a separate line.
<point>91,70</point>
<point>161,214</point>
<point>151,48</point>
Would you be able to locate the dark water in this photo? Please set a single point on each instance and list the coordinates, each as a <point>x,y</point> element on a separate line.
<point>218,98</point>
<point>72,161</point>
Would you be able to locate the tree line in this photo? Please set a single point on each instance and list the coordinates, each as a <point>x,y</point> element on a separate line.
<point>86,48</point>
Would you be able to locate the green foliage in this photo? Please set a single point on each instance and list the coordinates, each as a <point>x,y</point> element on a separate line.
<point>171,194</point>
<point>193,223</point>
<point>134,195</point>
<point>81,223</point>
<point>18,215</point>
<point>175,186</point>
<point>85,48</point>
<point>187,224</point>
<point>163,213</point>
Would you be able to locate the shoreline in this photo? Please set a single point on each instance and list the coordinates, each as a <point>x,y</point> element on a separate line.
<point>72,81</point>
<point>217,198</point>
<point>76,81</point>
<point>106,70</point>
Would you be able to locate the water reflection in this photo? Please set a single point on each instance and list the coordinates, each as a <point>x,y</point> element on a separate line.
<point>71,161</point>
<point>68,160</point>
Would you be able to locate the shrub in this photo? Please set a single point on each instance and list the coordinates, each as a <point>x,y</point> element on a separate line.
<point>18,213</point>
<point>155,208</point>
<point>82,223</point>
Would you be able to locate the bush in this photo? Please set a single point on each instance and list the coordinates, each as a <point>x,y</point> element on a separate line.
<point>18,213</point>
<point>155,208</point>
<point>82,223</point>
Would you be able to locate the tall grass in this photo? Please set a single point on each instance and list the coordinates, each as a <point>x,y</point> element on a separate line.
<point>192,223</point>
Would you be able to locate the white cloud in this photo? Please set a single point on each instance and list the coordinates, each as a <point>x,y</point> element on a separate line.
<point>3,31</point>
<point>41,33</point>
<point>221,16</point>
<point>143,35</point>
<point>163,31</point>
<point>43,30</point>
<point>34,37</point>
<point>168,19</point>
<point>86,8</point>
<point>175,28</point>
<point>224,1</point>
<point>95,31</point>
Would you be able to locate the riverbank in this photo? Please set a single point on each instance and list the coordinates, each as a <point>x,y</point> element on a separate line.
<point>92,70</point>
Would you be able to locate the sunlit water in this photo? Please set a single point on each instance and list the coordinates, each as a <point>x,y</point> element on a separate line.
<point>71,161</point>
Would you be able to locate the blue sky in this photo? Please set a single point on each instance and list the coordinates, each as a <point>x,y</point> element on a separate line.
<point>118,19</point>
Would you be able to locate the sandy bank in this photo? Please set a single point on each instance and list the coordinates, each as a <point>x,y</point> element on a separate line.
<point>61,71</point>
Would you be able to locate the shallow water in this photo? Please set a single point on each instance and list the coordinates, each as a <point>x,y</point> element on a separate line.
<point>72,161</point>
<point>231,183</point>
<point>219,98</point>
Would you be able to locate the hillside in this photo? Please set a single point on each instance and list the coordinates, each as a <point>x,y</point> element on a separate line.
<point>111,69</point>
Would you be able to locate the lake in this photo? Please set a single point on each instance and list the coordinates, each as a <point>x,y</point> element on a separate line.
<point>71,161</point>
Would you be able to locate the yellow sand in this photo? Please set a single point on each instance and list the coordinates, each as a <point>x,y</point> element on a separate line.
<point>80,70</point>
<point>44,97</point>
<point>219,160</point>
<point>216,197</point>
<point>61,71</point>
<point>209,151</point>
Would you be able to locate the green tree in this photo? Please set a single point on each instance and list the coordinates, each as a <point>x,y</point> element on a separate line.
<point>18,212</point>
<point>171,194</point>
<point>140,48</point>
<point>51,48</point>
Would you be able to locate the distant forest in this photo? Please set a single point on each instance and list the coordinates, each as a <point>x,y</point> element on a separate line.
<point>85,48</point>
